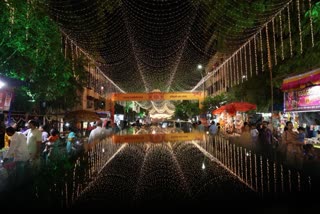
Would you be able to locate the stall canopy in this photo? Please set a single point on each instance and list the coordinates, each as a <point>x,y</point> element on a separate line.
<point>301,81</point>
<point>232,108</point>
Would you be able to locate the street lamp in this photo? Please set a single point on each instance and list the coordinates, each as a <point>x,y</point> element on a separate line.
<point>200,67</point>
<point>2,84</point>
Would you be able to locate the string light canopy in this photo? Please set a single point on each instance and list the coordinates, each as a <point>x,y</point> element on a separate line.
<point>143,45</point>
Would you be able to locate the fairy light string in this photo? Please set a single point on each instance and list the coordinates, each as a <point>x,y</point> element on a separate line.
<point>250,58</point>
<point>268,49</point>
<point>281,36</point>
<point>299,24</point>
<point>101,30</point>
<point>255,54</point>
<point>158,43</point>
<point>274,43</point>
<point>261,51</point>
<point>311,24</point>
<point>289,28</point>
<point>245,61</point>
<point>259,33</point>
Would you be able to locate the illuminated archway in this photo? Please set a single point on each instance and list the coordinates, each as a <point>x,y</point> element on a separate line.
<point>156,96</point>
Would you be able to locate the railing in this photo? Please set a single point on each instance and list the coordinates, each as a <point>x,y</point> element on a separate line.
<point>263,175</point>
<point>62,181</point>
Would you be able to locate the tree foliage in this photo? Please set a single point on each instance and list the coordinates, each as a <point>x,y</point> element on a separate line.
<point>186,109</point>
<point>31,50</point>
<point>211,102</point>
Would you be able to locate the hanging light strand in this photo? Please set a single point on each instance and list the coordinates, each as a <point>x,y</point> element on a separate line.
<point>238,67</point>
<point>62,45</point>
<point>261,51</point>
<point>250,58</point>
<point>231,72</point>
<point>281,36</point>
<point>255,54</point>
<point>259,45</point>
<point>268,49</point>
<point>274,43</point>
<point>311,24</point>
<point>299,24</point>
<point>222,78</point>
<point>289,28</point>
<point>65,47</point>
<point>72,58</point>
<point>245,61</point>
<point>27,17</point>
<point>241,66</point>
<point>227,77</point>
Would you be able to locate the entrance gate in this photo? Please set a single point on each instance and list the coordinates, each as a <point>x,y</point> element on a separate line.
<point>155,96</point>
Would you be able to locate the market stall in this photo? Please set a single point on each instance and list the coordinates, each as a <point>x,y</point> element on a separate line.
<point>230,119</point>
<point>302,100</point>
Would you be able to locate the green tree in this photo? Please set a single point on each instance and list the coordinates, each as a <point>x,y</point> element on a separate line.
<point>186,109</point>
<point>30,50</point>
<point>211,102</point>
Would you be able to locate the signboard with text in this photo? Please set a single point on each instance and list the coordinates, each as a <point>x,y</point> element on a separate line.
<point>158,138</point>
<point>307,99</point>
<point>5,99</point>
<point>157,96</point>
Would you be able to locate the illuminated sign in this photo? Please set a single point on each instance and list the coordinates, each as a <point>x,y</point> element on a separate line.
<point>157,96</point>
<point>307,99</point>
<point>158,138</point>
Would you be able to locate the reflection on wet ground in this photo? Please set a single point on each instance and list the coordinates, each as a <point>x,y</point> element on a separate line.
<point>191,169</point>
<point>172,172</point>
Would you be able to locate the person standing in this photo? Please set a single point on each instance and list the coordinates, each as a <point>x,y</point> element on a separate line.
<point>266,141</point>
<point>71,140</point>
<point>213,129</point>
<point>97,134</point>
<point>18,153</point>
<point>109,129</point>
<point>200,127</point>
<point>294,156</point>
<point>34,140</point>
<point>301,135</point>
<point>254,136</point>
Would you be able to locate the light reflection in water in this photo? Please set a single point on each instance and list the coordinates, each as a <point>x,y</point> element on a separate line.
<point>234,158</point>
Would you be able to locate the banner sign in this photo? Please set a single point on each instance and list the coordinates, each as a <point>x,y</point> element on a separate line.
<point>157,138</point>
<point>154,96</point>
<point>307,99</point>
<point>183,95</point>
<point>5,100</point>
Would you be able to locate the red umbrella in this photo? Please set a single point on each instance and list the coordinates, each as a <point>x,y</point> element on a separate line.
<point>232,108</point>
<point>219,110</point>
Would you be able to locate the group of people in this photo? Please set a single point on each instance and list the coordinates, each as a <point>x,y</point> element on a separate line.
<point>30,149</point>
<point>24,150</point>
<point>295,148</point>
<point>288,147</point>
<point>99,132</point>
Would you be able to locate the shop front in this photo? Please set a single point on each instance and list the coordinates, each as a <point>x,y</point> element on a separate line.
<point>302,101</point>
<point>301,92</point>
